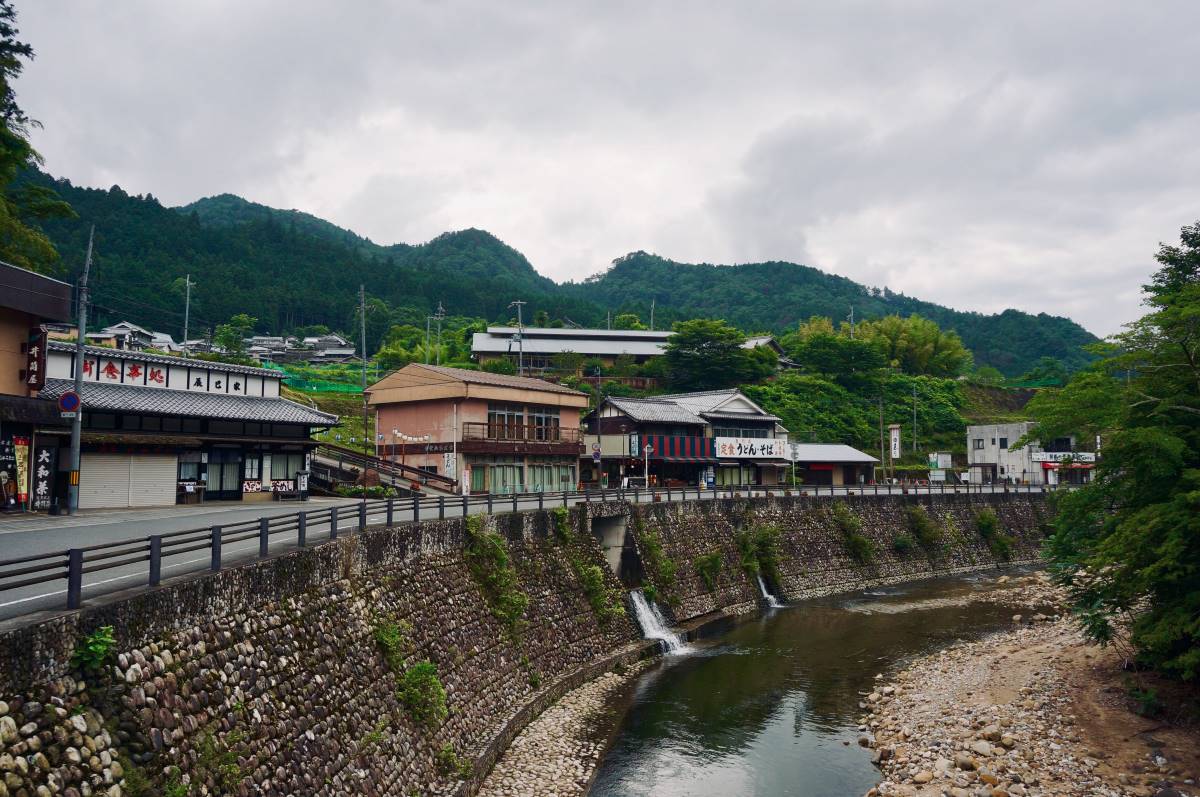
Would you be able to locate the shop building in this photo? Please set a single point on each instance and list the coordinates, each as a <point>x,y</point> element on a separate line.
<point>711,437</point>
<point>160,430</point>
<point>492,433</point>
<point>831,464</point>
<point>29,425</point>
<point>990,461</point>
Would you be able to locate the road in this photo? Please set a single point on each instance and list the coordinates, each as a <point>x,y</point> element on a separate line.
<point>34,535</point>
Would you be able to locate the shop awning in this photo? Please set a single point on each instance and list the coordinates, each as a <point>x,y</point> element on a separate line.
<point>670,448</point>
<point>1070,466</point>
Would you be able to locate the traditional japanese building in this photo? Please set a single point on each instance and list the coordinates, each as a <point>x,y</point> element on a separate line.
<point>159,429</point>
<point>28,423</point>
<point>711,437</point>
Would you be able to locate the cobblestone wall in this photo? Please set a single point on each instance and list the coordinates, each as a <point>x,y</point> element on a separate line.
<point>268,679</point>
<point>814,558</point>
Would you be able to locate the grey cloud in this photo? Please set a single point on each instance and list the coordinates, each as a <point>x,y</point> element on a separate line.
<point>982,155</point>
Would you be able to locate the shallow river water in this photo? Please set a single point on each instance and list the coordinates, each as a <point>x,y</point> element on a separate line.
<point>765,708</point>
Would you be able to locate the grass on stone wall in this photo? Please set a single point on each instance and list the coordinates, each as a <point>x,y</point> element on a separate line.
<point>392,639</point>
<point>758,552</point>
<point>448,763</point>
<point>988,526</point>
<point>94,649</point>
<point>861,549</point>
<point>660,568</point>
<point>709,567</point>
<point>903,544</point>
<point>607,603</point>
<point>492,569</point>
<point>422,693</point>
<point>923,529</point>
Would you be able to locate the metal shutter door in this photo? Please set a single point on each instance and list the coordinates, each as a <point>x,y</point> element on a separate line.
<point>152,480</point>
<point>103,481</point>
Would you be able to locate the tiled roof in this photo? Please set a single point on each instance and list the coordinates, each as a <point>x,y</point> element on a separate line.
<point>499,380</point>
<point>740,416</point>
<point>829,452</point>
<point>653,411</point>
<point>160,401</point>
<point>162,359</point>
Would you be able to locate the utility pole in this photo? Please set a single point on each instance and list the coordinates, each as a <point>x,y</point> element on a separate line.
<point>427,318</point>
<point>652,315</point>
<point>77,423</point>
<point>520,337</point>
<point>187,309</point>
<point>914,418</point>
<point>851,322</point>
<point>439,315</point>
<point>362,312</point>
<point>882,446</point>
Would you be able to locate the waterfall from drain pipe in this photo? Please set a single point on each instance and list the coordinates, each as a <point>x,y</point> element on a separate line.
<point>771,600</point>
<point>654,625</point>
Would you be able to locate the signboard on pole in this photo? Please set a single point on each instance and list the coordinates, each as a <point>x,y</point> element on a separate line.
<point>35,359</point>
<point>894,434</point>
<point>69,404</point>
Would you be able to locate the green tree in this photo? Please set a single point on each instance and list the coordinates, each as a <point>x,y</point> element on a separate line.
<point>917,345</point>
<point>23,203</point>
<point>853,363</point>
<point>1128,543</point>
<point>231,336</point>
<point>705,354</point>
<point>628,321</point>
<point>1047,371</point>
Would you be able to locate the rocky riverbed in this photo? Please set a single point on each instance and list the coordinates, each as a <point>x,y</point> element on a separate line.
<point>556,754</point>
<point>1031,711</point>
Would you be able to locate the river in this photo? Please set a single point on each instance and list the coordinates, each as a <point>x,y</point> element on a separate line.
<point>768,707</point>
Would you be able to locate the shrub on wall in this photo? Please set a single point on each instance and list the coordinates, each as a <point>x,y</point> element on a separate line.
<point>923,529</point>
<point>659,567</point>
<point>607,603</point>
<point>988,526</point>
<point>709,567</point>
<point>849,524</point>
<point>492,569</point>
<point>422,693</point>
<point>902,544</point>
<point>758,551</point>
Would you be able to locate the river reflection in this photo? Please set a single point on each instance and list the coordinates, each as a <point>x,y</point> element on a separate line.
<point>765,708</point>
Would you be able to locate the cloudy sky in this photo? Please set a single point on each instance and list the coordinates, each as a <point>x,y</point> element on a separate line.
<point>982,155</point>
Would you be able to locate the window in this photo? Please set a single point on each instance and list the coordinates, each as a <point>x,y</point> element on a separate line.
<point>543,423</point>
<point>189,466</point>
<point>151,424</point>
<point>253,466</point>
<point>224,427</point>
<point>978,444</point>
<point>284,466</point>
<point>993,441</point>
<point>1004,443</point>
<point>171,424</point>
<point>505,421</point>
<point>102,420</point>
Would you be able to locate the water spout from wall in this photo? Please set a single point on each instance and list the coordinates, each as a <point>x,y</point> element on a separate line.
<point>654,625</point>
<point>770,599</point>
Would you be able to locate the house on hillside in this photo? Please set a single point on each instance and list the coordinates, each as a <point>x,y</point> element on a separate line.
<point>991,462</point>
<point>124,335</point>
<point>491,432</point>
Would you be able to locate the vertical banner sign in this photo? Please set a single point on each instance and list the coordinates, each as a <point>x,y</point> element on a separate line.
<point>450,465</point>
<point>21,452</point>
<point>8,474</point>
<point>894,429</point>
<point>45,461</point>
<point>35,359</point>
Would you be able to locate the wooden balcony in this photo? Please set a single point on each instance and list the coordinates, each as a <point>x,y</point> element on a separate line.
<point>504,438</point>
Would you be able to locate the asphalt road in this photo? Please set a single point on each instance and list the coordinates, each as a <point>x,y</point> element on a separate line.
<point>29,536</point>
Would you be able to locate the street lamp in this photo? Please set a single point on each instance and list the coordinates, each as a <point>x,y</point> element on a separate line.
<point>646,452</point>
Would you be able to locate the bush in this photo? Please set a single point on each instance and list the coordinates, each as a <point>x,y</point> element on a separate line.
<point>391,639</point>
<point>606,603</point>
<point>562,525</point>
<point>902,544</point>
<point>448,763</point>
<point>709,568</point>
<point>94,649</point>
<point>422,694</point>
<point>922,528</point>
<point>861,549</point>
<point>660,567</point>
<point>492,569</point>
<point>988,526</point>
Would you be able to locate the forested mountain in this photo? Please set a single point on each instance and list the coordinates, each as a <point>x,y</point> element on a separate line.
<point>289,269</point>
<point>774,296</point>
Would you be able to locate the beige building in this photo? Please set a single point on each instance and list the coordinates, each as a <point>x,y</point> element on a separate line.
<point>490,432</point>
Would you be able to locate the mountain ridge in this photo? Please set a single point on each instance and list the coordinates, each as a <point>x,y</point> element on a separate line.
<point>290,268</point>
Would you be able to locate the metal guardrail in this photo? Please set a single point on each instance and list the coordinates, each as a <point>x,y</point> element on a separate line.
<point>396,470</point>
<point>73,564</point>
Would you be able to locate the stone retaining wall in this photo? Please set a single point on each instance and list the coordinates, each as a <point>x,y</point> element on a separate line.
<point>267,678</point>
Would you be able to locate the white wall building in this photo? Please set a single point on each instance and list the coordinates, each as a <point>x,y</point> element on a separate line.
<point>991,462</point>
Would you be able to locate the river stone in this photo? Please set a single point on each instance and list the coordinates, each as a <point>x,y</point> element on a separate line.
<point>964,761</point>
<point>924,776</point>
<point>8,730</point>
<point>980,747</point>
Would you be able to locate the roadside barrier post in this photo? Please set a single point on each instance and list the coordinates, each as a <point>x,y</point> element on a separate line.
<point>264,537</point>
<point>155,559</point>
<point>214,545</point>
<point>333,522</point>
<point>362,516</point>
<point>391,508</point>
<point>441,507</point>
<point>74,578</point>
<point>301,528</point>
